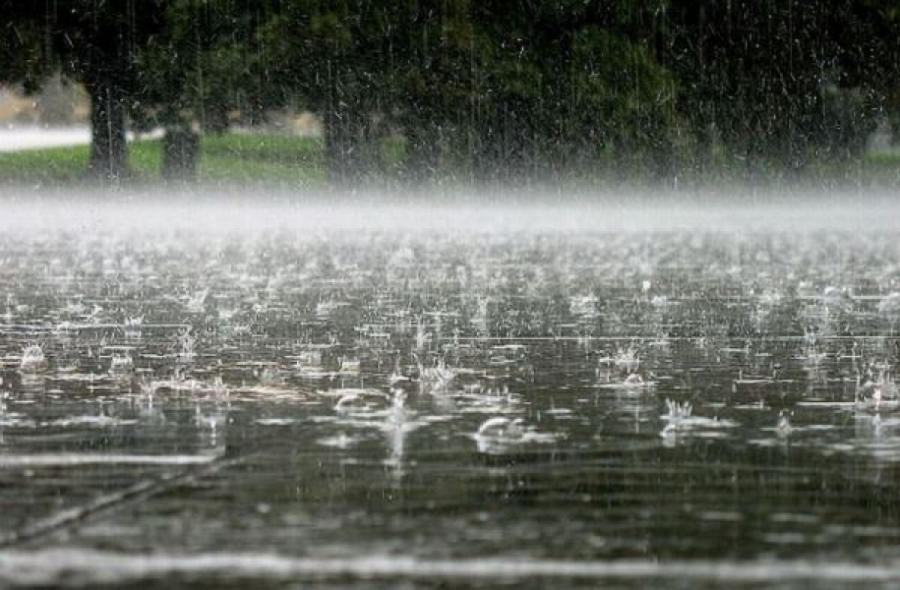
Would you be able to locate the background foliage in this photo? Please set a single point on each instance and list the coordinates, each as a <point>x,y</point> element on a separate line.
<point>488,91</point>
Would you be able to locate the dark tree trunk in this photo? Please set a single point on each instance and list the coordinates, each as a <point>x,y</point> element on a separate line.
<point>180,148</point>
<point>344,132</point>
<point>662,156</point>
<point>494,158</point>
<point>109,152</point>
<point>894,119</point>
<point>423,149</point>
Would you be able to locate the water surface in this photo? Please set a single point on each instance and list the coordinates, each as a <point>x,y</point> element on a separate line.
<point>558,406</point>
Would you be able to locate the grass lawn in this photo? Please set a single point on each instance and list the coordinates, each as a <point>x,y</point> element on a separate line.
<point>292,162</point>
<point>883,166</point>
<point>231,158</point>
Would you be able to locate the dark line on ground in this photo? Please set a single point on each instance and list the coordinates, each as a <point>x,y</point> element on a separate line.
<point>107,502</point>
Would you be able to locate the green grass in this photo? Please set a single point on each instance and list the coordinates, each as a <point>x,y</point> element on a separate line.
<point>287,161</point>
<point>883,166</point>
<point>57,165</point>
<point>237,158</point>
<point>227,159</point>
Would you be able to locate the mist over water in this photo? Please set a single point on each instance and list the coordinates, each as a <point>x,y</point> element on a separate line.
<point>228,388</point>
<point>232,209</point>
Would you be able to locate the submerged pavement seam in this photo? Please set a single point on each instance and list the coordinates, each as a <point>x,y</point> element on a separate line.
<point>106,502</point>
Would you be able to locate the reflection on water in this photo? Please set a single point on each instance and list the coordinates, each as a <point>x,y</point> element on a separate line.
<point>614,406</point>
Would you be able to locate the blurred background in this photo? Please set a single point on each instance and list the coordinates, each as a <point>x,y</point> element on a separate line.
<point>666,93</point>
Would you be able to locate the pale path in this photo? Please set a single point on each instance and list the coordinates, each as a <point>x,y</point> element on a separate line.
<point>25,138</point>
<point>13,139</point>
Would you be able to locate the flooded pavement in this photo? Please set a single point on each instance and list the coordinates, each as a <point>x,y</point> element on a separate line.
<point>480,409</point>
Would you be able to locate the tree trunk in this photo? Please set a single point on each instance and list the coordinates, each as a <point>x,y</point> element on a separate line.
<point>109,152</point>
<point>423,150</point>
<point>180,148</point>
<point>343,145</point>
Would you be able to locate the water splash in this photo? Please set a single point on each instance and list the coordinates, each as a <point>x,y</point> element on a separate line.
<point>436,379</point>
<point>186,343</point>
<point>121,364</point>
<point>33,359</point>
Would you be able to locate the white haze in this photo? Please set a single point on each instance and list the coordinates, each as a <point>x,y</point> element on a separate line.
<point>232,210</point>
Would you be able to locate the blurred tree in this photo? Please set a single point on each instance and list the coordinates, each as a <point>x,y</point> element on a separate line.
<point>491,90</point>
<point>496,90</point>
<point>531,88</point>
<point>780,83</point>
<point>430,91</point>
<point>94,42</point>
<point>564,84</point>
<point>207,68</point>
<point>333,59</point>
<point>869,55</point>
